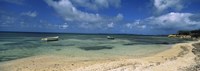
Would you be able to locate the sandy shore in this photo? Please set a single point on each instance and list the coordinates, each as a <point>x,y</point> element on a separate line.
<point>181,57</point>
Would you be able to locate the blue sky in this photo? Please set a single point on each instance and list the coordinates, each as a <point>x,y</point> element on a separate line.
<point>100,16</point>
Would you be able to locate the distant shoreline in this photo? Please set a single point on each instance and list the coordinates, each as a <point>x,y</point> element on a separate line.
<point>82,33</point>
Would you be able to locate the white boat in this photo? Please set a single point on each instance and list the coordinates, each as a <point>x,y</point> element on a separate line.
<point>109,37</point>
<point>56,38</point>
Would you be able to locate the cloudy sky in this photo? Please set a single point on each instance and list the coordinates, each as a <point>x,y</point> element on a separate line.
<point>100,16</point>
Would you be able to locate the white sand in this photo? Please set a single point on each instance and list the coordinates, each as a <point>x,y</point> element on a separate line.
<point>163,61</point>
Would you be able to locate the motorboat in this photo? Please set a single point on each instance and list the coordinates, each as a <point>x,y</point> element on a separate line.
<point>56,38</point>
<point>109,37</point>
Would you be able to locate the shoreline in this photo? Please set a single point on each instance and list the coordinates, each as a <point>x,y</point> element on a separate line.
<point>179,57</point>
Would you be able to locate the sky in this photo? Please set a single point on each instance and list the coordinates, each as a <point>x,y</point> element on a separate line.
<point>148,17</point>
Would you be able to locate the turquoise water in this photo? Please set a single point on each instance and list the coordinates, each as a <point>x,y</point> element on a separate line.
<point>20,45</point>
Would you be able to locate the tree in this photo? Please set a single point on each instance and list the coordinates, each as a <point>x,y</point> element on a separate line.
<point>184,32</point>
<point>195,33</point>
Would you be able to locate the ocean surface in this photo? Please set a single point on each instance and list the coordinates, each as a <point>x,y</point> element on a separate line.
<point>21,45</point>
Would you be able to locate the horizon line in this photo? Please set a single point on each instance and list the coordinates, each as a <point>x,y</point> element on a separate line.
<point>82,33</point>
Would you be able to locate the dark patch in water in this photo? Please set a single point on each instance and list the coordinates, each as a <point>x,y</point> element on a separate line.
<point>10,44</point>
<point>129,44</point>
<point>62,44</point>
<point>30,40</point>
<point>11,57</point>
<point>157,40</point>
<point>162,43</point>
<point>70,45</point>
<point>16,45</point>
<point>57,49</point>
<point>20,45</point>
<point>56,45</point>
<point>96,47</point>
<point>3,49</point>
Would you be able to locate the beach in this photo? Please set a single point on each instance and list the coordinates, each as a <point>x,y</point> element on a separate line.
<point>99,35</point>
<point>180,57</point>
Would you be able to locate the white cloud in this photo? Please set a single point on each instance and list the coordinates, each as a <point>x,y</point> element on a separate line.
<point>129,25</point>
<point>136,24</point>
<point>173,20</point>
<point>70,13</point>
<point>86,25</point>
<point>31,14</point>
<point>119,17</point>
<point>67,9</point>
<point>7,20</point>
<point>97,4</point>
<point>169,22</point>
<point>162,5</point>
<point>111,25</point>
<point>63,26</point>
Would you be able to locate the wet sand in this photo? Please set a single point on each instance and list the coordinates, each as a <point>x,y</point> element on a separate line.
<point>180,57</point>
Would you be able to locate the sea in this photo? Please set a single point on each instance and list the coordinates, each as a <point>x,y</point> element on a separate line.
<point>15,46</point>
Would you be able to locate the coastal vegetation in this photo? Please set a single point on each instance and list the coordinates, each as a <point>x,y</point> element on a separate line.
<point>186,34</point>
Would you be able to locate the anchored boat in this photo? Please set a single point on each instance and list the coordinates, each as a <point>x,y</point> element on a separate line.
<point>56,38</point>
<point>109,37</point>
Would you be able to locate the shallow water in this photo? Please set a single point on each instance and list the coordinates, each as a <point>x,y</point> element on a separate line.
<point>20,45</point>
